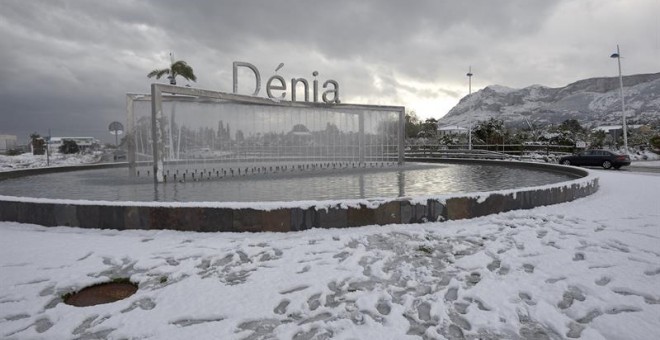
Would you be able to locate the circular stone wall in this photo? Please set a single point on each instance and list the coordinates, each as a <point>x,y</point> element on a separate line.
<point>291,216</point>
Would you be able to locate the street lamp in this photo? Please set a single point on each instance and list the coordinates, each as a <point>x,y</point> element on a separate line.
<point>469,75</point>
<point>172,76</point>
<point>617,55</point>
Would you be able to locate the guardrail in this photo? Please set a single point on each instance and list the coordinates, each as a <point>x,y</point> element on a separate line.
<point>492,151</point>
<point>459,153</point>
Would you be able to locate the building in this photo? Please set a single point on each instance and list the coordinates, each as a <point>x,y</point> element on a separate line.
<point>451,130</point>
<point>84,143</point>
<point>7,142</point>
<point>615,129</point>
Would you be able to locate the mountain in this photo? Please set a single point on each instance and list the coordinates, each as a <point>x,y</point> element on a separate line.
<point>592,102</point>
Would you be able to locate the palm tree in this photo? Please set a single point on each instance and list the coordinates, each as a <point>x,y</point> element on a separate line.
<point>178,68</point>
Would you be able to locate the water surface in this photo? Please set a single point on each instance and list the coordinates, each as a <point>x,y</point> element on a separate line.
<point>411,179</point>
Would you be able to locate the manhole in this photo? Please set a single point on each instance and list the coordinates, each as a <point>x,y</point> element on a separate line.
<point>101,293</point>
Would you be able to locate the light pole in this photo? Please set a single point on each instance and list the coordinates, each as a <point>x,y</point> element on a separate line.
<point>617,55</point>
<point>469,75</point>
<point>172,76</point>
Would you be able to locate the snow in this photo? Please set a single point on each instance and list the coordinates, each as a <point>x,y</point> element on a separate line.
<point>501,88</point>
<point>593,102</point>
<point>588,269</point>
<point>28,160</point>
<point>647,164</point>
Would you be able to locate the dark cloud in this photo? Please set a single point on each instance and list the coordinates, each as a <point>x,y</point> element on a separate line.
<point>68,64</point>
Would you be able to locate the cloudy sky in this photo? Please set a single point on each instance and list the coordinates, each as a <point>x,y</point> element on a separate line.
<point>66,65</point>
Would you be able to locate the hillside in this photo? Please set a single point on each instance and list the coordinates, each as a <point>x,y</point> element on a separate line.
<point>592,102</point>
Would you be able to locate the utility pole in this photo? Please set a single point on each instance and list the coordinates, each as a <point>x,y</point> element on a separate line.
<point>469,75</point>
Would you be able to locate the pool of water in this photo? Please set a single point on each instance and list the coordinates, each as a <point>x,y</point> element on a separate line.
<point>411,179</point>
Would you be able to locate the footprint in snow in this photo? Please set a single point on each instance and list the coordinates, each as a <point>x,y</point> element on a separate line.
<point>452,294</point>
<point>648,298</point>
<point>591,315</point>
<point>493,265</point>
<point>424,311</point>
<point>294,289</point>
<point>480,304</point>
<point>281,307</point>
<point>554,280</point>
<point>473,279</point>
<point>603,281</point>
<point>572,294</point>
<point>553,244</point>
<point>461,307</point>
<point>305,269</point>
<point>460,321</point>
<point>455,332</point>
<point>313,302</point>
<point>575,330</point>
<point>652,272</point>
<point>383,307</point>
<point>526,298</point>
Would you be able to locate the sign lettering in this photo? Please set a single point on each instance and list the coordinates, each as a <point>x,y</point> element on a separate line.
<point>276,83</point>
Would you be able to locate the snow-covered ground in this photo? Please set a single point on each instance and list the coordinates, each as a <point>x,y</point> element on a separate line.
<point>589,269</point>
<point>648,164</point>
<point>28,160</point>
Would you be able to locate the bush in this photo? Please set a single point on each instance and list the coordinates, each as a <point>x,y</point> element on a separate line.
<point>655,142</point>
<point>14,152</point>
<point>69,147</point>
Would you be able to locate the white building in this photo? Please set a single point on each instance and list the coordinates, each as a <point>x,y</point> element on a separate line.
<point>7,142</point>
<point>451,130</point>
<point>84,143</point>
<point>614,128</point>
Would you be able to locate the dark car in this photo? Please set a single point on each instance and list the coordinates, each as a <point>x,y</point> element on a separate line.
<point>604,158</point>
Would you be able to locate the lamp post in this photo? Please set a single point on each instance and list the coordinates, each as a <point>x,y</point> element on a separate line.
<point>617,55</point>
<point>172,76</point>
<point>469,75</point>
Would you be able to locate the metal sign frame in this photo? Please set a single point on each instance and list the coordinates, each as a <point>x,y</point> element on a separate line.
<point>165,92</point>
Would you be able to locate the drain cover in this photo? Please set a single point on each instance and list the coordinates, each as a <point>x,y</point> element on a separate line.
<point>101,293</point>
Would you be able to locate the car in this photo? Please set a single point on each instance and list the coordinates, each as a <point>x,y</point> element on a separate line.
<point>606,159</point>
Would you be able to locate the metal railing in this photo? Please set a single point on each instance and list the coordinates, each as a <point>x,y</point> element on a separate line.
<point>494,151</point>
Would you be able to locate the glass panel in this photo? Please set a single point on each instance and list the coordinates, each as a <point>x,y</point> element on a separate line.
<point>209,138</point>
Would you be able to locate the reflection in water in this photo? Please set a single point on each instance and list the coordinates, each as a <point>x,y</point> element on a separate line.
<point>156,196</point>
<point>327,184</point>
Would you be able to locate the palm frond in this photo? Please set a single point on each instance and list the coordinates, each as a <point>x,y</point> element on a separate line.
<point>158,73</point>
<point>181,68</point>
<point>178,68</point>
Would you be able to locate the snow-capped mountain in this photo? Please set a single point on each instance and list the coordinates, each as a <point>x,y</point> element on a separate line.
<point>592,102</point>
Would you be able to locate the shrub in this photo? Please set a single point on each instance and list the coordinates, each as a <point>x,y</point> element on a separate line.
<point>14,152</point>
<point>69,147</point>
<point>655,142</point>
